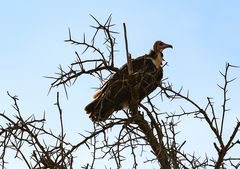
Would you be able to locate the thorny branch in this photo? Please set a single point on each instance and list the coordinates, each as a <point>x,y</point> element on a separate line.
<point>212,121</point>
<point>79,67</point>
<point>18,133</point>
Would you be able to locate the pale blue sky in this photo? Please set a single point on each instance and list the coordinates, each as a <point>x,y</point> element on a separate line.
<point>205,35</point>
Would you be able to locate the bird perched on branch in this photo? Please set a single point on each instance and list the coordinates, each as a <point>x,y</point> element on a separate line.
<point>115,94</point>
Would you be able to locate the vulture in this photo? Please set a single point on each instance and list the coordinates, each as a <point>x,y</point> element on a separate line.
<point>115,94</point>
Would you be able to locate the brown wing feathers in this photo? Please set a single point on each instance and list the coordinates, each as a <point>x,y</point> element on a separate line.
<point>115,94</point>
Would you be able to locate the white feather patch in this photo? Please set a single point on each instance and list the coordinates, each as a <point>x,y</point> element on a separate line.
<point>158,61</point>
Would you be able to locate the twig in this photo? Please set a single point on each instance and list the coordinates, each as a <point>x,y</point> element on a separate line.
<point>129,60</point>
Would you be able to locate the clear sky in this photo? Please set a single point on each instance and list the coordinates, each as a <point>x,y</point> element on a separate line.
<point>205,35</point>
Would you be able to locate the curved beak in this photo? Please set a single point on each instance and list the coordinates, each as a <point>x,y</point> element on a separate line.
<point>166,46</point>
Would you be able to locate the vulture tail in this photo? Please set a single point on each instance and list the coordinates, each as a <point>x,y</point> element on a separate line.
<point>99,109</point>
